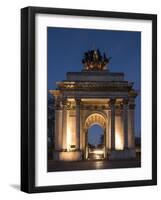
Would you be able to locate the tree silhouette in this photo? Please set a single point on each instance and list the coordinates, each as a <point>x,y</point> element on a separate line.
<point>50,130</point>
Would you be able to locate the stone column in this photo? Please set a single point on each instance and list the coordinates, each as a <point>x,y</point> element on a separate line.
<point>86,144</point>
<point>131,127</point>
<point>58,125</point>
<point>125,122</point>
<point>64,124</point>
<point>105,148</point>
<point>78,101</point>
<point>112,104</point>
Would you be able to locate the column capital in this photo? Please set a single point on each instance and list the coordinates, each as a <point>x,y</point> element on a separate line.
<point>125,101</point>
<point>64,101</point>
<point>112,101</point>
<point>131,106</point>
<point>78,101</point>
<point>57,103</point>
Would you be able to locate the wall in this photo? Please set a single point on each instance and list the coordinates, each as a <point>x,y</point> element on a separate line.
<point>10,98</point>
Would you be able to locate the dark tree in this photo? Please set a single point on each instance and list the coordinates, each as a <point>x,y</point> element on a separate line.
<point>51,118</point>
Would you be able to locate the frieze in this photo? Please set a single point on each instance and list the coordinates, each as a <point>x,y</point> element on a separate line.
<point>101,86</point>
<point>91,107</point>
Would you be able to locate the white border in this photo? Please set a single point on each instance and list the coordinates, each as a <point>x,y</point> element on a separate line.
<point>93,176</point>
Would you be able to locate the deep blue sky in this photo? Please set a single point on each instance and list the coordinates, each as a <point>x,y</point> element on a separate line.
<point>66,47</point>
<point>94,134</point>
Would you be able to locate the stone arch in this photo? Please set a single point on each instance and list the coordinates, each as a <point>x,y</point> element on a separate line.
<point>95,118</point>
<point>91,119</point>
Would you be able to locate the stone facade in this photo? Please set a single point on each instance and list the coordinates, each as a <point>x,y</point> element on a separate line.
<point>94,97</point>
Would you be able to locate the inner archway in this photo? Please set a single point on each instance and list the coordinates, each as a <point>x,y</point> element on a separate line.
<point>95,136</point>
<point>95,142</point>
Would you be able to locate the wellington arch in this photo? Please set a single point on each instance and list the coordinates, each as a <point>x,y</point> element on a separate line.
<point>94,96</point>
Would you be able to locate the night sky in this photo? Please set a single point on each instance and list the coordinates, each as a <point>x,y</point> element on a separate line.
<point>66,47</point>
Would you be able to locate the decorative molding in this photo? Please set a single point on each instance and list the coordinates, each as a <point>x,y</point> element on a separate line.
<point>78,101</point>
<point>90,86</point>
<point>112,101</point>
<point>57,104</point>
<point>64,101</point>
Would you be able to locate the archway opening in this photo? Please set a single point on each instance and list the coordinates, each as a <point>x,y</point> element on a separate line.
<point>96,144</point>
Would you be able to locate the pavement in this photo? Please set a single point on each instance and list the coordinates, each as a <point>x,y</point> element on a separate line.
<point>92,164</point>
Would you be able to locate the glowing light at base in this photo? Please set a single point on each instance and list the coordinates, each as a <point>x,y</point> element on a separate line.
<point>96,154</point>
<point>69,138</point>
<point>119,144</point>
<point>118,141</point>
<point>98,151</point>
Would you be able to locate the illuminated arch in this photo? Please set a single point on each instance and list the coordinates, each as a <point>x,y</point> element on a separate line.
<point>95,118</point>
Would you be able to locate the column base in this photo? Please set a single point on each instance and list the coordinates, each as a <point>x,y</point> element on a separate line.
<point>122,154</point>
<point>67,155</point>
